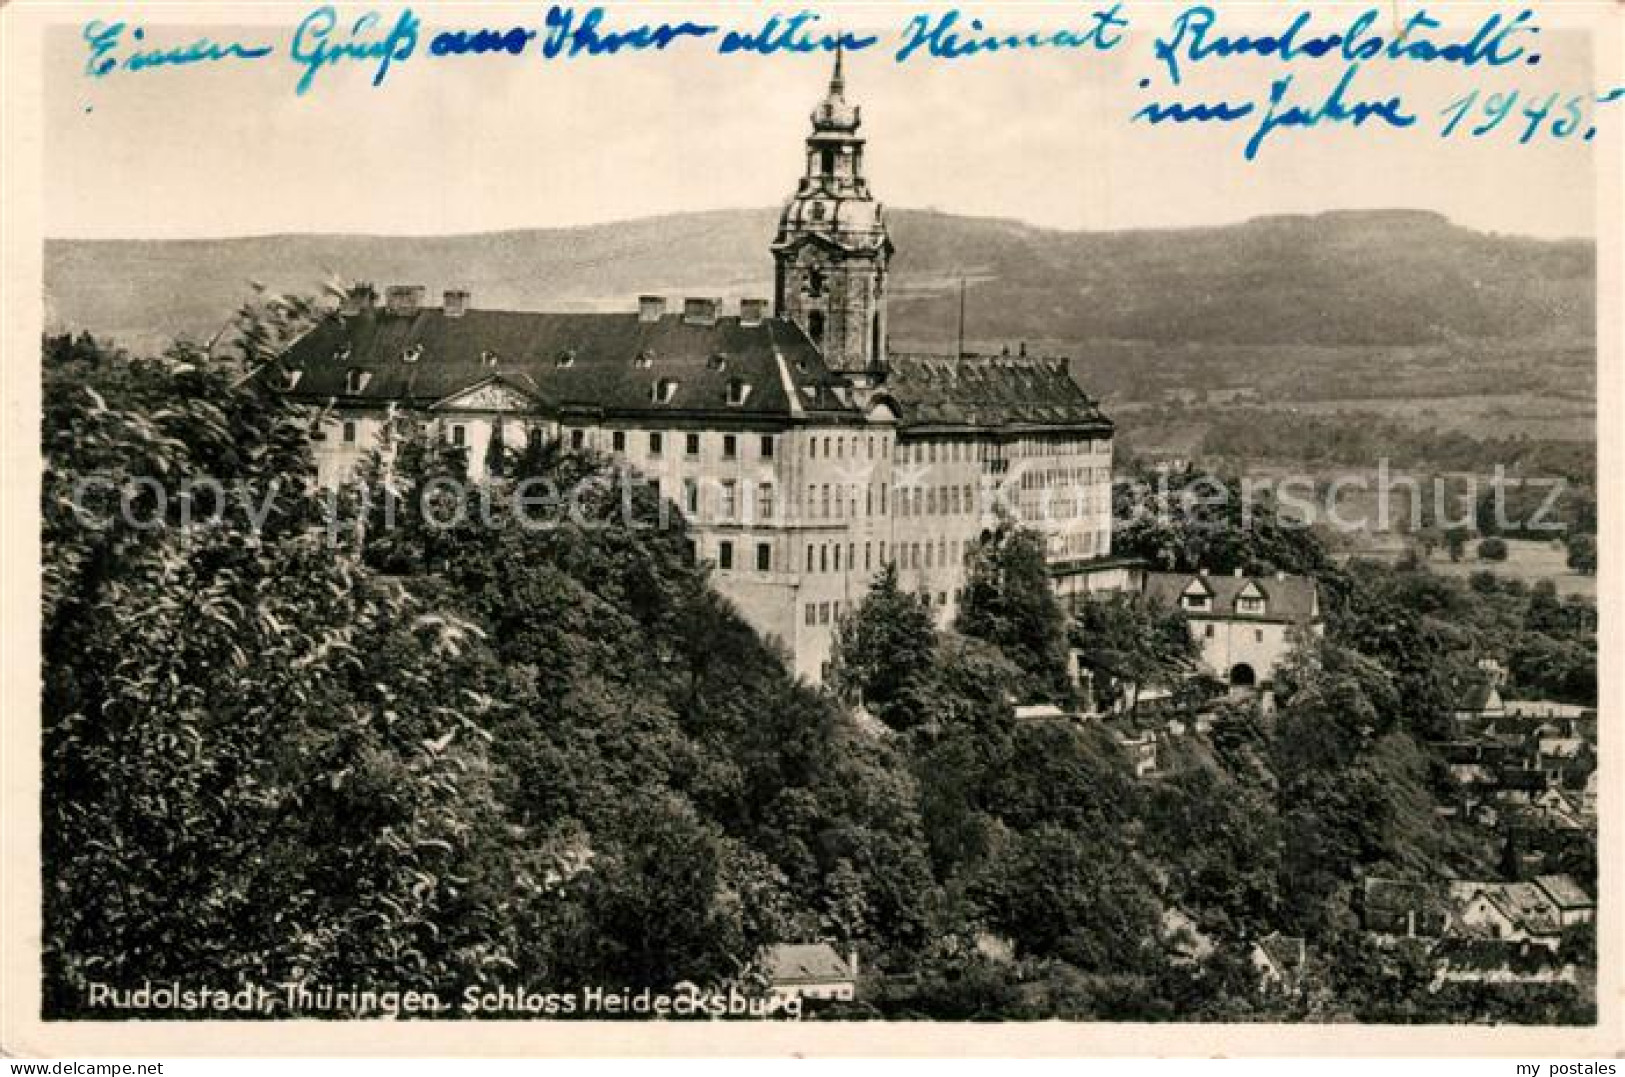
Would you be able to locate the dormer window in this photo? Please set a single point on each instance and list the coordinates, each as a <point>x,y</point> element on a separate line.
<point>738,392</point>
<point>643,360</point>
<point>567,358</point>
<point>719,361</point>
<point>356,380</point>
<point>412,354</point>
<point>290,379</point>
<point>1198,602</point>
<point>488,358</point>
<point>342,354</point>
<point>663,390</point>
<point>1250,604</point>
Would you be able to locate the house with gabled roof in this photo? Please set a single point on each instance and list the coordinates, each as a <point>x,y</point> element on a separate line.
<point>1243,624</point>
<point>1515,912</point>
<point>811,971</point>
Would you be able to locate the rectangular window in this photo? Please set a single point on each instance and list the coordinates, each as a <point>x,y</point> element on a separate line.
<point>883,552</point>
<point>767,447</point>
<point>812,614</point>
<point>725,554</point>
<point>866,552</point>
<point>809,557</point>
<point>812,499</point>
<point>764,500</point>
<point>1258,635</point>
<point>729,500</point>
<point>617,441</point>
<point>691,444</point>
<point>823,613</point>
<point>459,434</point>
<point>882,497</point>
<point>823,558</point>
<point>578,438</point>
<point>1207,631</point>
<point>764,557</point>
<point>825,497</point>
<point>657,444</point>
<point>730,446</point>
<point>349,431</point>
<point>837,557</point>
<point>691,497</point>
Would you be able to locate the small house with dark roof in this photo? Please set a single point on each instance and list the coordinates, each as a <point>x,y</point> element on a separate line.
<point>1279,960</point>
<point>1243,624</point>
<point>1573,905</point>
<point>1516,912</point>
<point>811,971</point>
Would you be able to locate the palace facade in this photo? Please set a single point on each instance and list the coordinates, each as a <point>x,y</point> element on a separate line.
<point>803,452</point>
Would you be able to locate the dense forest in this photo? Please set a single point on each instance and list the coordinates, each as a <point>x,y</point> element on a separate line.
<point>286,742</point>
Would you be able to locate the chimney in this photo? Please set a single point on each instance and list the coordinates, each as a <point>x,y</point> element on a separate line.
<point>1236,572</point>
<point>1279,575</point>
<point>1022,350</point>
<point>403,298</point>
<point>1201,572</point>
<point>852,962</point>
<point>359,298</point>
<point>651,307</point>
<point>752,311</point>
<point>698,311</point>
<point>455,304</point>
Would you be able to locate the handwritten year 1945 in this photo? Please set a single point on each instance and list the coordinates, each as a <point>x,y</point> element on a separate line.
<point>1567,117</point>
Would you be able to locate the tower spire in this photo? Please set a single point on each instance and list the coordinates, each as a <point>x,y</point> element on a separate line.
<point>837,81</point>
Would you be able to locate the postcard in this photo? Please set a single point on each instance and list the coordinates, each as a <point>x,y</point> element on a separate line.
<point>886,528</point>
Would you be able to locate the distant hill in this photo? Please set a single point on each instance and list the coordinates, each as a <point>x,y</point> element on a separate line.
<point>1380,279</point>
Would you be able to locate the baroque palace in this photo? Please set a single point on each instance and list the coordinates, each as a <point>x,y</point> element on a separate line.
<point>803,452</point>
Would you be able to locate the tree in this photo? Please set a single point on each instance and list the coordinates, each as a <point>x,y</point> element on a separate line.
<point>1455,541</point>
<point>260,761</point>
<point>1008,602</point>
<point>1583,554</point>
<point>1128,642</point>
<point>884,652</point>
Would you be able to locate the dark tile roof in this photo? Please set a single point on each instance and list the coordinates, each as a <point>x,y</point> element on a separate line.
<point>1565,892</point>
<point>806,962</point>
<point>602,363</point>
<point>1006,392</point>
<point>1290,599</point>
<point>1286,952</point>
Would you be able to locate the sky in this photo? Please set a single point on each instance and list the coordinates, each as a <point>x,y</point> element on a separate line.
<point>478,144</point>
